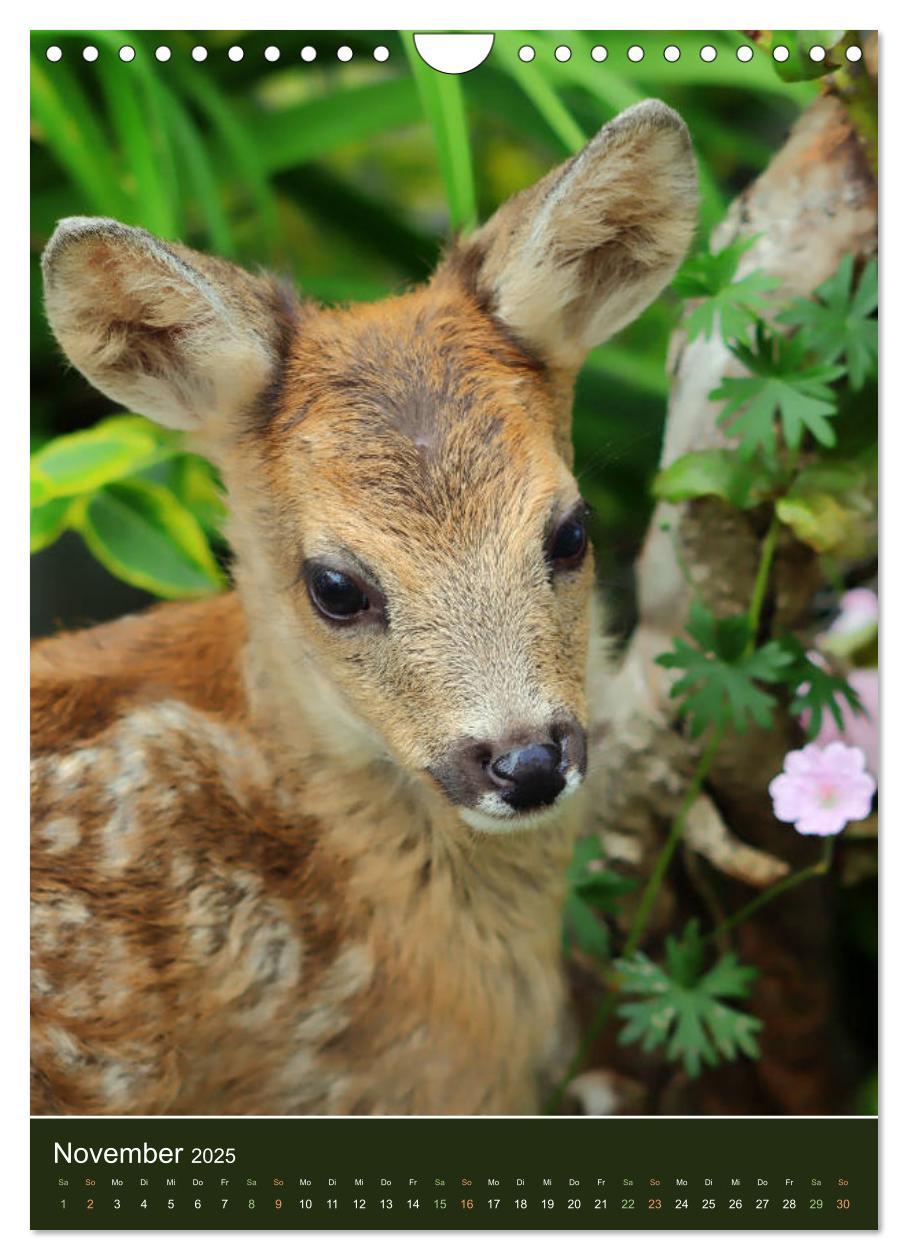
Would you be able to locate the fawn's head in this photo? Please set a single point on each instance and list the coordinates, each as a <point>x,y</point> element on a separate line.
<point>405,518</point>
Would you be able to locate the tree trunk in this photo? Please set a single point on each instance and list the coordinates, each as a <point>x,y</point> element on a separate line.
<point>815,203</point>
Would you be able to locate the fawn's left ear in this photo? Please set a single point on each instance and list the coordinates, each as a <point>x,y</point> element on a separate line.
<point>187,340</point>
<point>570,261</point>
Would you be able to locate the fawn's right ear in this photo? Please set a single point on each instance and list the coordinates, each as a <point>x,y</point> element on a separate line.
<point>184,339</point>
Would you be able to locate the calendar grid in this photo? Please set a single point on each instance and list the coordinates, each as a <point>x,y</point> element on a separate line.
<point>452,1173</point>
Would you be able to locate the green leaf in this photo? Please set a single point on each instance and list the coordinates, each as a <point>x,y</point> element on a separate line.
<point>827,524</point>
<point>726,303</point>
<point>709,272</point>
<point>840,323</point>
<point>592,888</point>
<point>720,472</point>
<point>586,850</point>
<point>719,678</point>
<point>84,461</point>
<point>143,535</point>
<point>443,104</point>
<point>800,66</point>
<point>782,386</point>
<point>583,929</point>
<point>832,507</point>
<point>48,521</point>
<point>198,487</point>
<point>685,1010</point>
<point>816,689</point>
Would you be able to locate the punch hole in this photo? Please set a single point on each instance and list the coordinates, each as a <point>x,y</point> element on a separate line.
<point>235,53</point>
<point>707,53</point>
<point>199,53</point>
<point>745,53</point>
<point>453,53</point>
<point>308,53</point>
<point>127,53</point>
<point>526,52</point>
<point>381,53</point>
<point>635,53</point>
<point>672,52</point>
<point>54,53</point>
<point>272,53</point>
<point>162,53</point>
<point>853,52</point>
<point>90,53</point>
<point>599,53</point>
<point>817,52</point>
<point>780,53</point>
<point>562,53</point>
<point>345,53</point>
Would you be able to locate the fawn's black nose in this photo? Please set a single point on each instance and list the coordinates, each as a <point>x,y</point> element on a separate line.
<point>526,769</point>
<point>528,776</point>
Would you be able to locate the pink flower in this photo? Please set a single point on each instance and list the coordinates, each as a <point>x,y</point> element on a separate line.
<point>859,731</point>
<point>858,609</point>
<point>822,789</point>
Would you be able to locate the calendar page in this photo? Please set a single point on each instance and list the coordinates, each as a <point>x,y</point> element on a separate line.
<point>454,598</point>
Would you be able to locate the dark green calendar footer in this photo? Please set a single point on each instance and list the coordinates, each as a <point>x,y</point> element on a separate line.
<point>532,1173</point>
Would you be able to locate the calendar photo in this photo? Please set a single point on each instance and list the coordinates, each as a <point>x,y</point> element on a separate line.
<point>454,604</point>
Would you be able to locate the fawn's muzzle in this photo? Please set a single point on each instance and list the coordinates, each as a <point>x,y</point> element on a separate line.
<point>522,772</point>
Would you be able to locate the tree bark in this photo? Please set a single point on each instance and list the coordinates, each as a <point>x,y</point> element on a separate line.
<point>815,203</point>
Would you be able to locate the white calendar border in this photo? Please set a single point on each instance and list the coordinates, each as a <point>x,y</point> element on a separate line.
<point>229,14</point>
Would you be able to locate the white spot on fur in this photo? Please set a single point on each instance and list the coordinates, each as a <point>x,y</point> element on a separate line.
<point>51,921</point>
<point>41,985</point>
<point>61,834</point>
<point>492,804</point>
<point>129,780</point>
<point>72,768</point>
<point>572,781</point>
<point>119,1081</point>
<point>65,1047</point>
<point>325,1016</point>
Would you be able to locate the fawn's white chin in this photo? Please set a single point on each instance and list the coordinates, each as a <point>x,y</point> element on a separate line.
<point>491,813</point>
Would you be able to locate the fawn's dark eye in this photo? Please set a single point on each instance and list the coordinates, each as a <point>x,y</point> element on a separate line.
<point>336,595</point>
<point>568,543</point>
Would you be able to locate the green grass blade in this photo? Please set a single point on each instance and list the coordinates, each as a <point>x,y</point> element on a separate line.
<point>535,83</point>
<point>601,79</point>
<point>370,223</point>
<point>443,105</point>
<point>197,173</point>
<point>70,129</point>
<point>239,143</point>
<point>311,129</point>
<point>134,110</point>
<point>134,129</point>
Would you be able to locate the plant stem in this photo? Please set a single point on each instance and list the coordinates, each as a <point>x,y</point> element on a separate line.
<point>770,894</point>
<point>767,551</point>
<point>651,891</point>
<point>641,915</point>
<point>654,883</point>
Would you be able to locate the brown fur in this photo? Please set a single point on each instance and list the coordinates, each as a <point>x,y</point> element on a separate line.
<point>251,892</point>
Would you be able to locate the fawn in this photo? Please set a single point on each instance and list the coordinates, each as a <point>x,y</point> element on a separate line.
<point>301,848</point>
